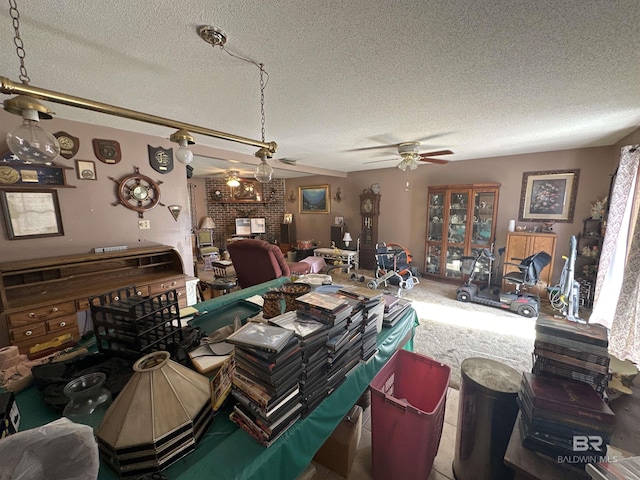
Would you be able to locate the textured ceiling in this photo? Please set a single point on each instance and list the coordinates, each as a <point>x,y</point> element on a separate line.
<point>482,78</point>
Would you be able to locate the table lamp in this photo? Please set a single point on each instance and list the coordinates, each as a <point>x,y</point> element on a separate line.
<point>347,239</point>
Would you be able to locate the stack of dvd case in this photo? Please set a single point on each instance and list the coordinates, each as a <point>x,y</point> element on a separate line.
<point>343,343</point>
<point>555,413</point>
<point>372,303</point>
<point>312,336</point>
<point>266,380</point>
<point>572,350</point>
<point>394,307</point>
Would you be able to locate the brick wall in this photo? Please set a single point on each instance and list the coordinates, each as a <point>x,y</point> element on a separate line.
<point>224,211</point>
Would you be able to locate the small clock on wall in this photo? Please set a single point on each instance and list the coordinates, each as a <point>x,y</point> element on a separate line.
<point>138,192</point>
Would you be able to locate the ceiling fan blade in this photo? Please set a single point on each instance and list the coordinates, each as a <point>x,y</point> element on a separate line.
<point>437,153</point>
<point>380,161</point>
<point>434,160</point>
<point>431,137</point>
<point>380,147</point>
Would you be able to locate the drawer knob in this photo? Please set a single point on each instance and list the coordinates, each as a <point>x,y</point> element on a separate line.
<point>138,293</point>
<point>173,284</point>
<point>116,298</point>
<point>32,315</point>
<point>28,332</point>
<point>63,324</point>
<point>54,309</point>
<point>162,285</point>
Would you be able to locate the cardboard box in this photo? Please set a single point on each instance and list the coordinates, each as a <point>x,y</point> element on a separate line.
<point>9,414</point>
<point>339,450</point>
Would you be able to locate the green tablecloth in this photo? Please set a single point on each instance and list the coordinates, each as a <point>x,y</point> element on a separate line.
<point>226,451</point>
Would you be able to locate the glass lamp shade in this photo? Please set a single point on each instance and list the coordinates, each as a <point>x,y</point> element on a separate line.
<point>30,142</point>
<point>183,154</point>
<point>159,416</point>
<point>263,172</point>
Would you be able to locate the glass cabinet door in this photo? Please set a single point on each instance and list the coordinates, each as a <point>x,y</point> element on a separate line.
<point>433,258</point>
<point>458,203</point>
<point>454,262</point>
<point>436,212</point>
<point>483,208</point>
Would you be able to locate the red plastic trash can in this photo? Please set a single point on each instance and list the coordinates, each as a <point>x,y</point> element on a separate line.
<point>408,398</point>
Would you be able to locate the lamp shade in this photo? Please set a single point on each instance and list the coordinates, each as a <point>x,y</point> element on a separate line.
<point>158,417</point>
<point>347,238</point>
<point>208,224</point>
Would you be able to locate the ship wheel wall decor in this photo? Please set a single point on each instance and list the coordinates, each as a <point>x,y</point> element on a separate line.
<point>138,192</point>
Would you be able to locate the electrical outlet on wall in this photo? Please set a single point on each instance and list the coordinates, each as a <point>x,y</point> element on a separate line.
<point>144,224</point>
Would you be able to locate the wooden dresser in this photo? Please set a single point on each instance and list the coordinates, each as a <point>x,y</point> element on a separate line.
<point>40,298</point>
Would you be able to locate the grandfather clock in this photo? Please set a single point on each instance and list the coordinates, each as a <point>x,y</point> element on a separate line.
<point>369,211</point>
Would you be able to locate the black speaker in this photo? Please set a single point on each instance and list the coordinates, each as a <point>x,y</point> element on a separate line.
<point>189,171</point>
<point>287,233</point>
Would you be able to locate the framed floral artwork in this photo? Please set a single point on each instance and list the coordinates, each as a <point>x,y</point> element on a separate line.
<point>548,196</point>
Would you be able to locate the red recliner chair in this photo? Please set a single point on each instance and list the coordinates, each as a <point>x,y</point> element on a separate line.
<point>257,261</point>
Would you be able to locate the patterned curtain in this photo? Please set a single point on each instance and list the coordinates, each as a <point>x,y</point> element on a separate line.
<point>618,280</point>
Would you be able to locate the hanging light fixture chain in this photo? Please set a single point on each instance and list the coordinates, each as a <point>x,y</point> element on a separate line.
<point>262,85</point>
<point>15,16</point>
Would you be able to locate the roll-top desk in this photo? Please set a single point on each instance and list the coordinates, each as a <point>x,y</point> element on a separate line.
<point>40,298</point>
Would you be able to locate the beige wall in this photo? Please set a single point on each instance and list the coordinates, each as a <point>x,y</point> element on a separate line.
<point>403,213</point>
<point>89,217</point>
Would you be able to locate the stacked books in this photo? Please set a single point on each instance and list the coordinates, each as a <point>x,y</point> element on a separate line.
<point>572,350</point>
<point>266,385</point>
<point>562,417</point>
<point>312,336</point>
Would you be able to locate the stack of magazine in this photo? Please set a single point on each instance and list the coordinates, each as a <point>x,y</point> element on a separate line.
<point>555,410</point>
<point>266,380</point>
<point>572,350</point>
<point>312,336</point>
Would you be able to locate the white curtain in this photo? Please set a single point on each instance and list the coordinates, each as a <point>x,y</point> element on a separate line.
<point>617,294</point>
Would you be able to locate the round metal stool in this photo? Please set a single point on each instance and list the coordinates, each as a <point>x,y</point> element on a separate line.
<point>221,284</point>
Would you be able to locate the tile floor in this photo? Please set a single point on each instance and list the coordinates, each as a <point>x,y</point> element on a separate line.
<point>361,469</point>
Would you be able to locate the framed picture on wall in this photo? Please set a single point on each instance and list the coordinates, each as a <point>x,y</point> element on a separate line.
<point>314,199</point>
<point>548,196</point>
<point>31,213</point>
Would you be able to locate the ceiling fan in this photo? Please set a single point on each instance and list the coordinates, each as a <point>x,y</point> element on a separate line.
<point>410,155</point>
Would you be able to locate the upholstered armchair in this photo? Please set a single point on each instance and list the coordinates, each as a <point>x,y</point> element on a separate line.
<point>256,261</point>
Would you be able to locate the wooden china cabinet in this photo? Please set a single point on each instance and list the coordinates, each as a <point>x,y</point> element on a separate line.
<point>461,220</point>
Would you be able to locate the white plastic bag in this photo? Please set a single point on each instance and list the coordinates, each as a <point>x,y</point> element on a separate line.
<point>60,450</point>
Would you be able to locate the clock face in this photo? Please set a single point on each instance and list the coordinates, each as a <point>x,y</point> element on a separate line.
<point>367,205</point>
<point>140,192</point>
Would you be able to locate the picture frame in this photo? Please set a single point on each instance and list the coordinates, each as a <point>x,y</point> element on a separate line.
<point>288,218</point>
<point>314,199</point>
<point>549,196</point>
<point>338,221</point>
<point>86,170</point>
<point>31,213</point>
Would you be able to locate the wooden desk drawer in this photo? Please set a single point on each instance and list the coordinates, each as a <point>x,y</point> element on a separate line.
<point>28,332</point>
<point>62,323</point>
<point>26,317</point>
<point>83,303</point>
<point>166,285</point>
<point>26,345</point>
